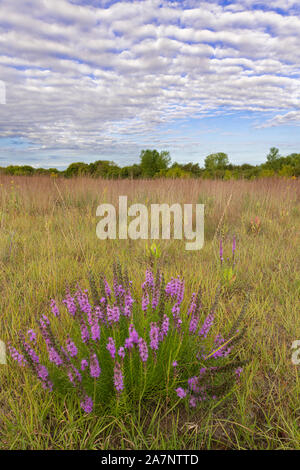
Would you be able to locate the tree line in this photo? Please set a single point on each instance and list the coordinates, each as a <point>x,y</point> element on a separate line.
<point>154,164</point>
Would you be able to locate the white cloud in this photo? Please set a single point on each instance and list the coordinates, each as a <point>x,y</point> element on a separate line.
<point>85,77</point>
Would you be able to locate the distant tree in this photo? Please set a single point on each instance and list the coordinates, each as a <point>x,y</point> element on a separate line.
<point>273,155</point>
<point>216,161</point>
<point>152,162</point>
<point>76,169</point>
<point>104,169</point>
<point>132,172</point>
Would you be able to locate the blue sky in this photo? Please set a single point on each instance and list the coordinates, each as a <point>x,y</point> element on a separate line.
<point>92,79</point>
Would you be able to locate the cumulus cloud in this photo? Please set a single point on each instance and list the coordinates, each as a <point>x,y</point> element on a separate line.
<point>89,75</point>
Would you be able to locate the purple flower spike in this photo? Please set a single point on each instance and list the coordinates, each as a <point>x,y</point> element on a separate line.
<point>71,347</point>
<point>143,349</point>
<point>111,347</point>
<point>31,336</point>
<point>54,308</point>
<point>95,370</point>
<point>84,364</point>
<point>154,336</point>
<point>118,378</point>
<point>180,392</point>
<point>87,404</point>
<point>121,352</point>
<point>70,304</point>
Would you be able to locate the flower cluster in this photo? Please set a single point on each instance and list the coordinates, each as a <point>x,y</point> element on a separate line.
<point>115,331</point>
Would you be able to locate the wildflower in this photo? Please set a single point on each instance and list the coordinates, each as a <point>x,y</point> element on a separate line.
<point>143,349</point>
<point>111,348</point>
<point>42,372</point>
<point>84,364</point>
<point>145,301</point>
<point>87,404</point>
<point>193,402</point>
<point>107,289</point>
<point>121,352</point>
<point>95,330</point>
<point>113,314</point>
<point>54,356</point>
<point>174,363</point>
<point>154,336</point>
<point>85,307</point>
<point>17,356</point>
<point>127,311</point>
<point>31,336</point>
<point>70,304</point>
<point>118,378</point>
<point>193,324</point>
<point>180,392</point>
<point>84,331</point>
<point>238,372</point>
<point>95,370</point>
<point>164,327</point>
<point>133,334</point>
<point>54,308</point>
<point>71,347</point>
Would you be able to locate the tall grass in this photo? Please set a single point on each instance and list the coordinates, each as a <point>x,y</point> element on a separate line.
<point>48,240</point>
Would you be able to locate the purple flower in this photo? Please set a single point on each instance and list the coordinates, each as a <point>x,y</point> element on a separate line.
<point>70,304</point>
<point>154,336</point>
<point>31,336</point>
<point>193,401</point>
<point>207,325</point>
<point>113,314</point>
<point>95,370</point>
<point>87,404</point>
<point>143,350</point>
<point>180,392</point>
<point>54,308</point>
<point>111,347</point>
<point>121,352</point>
<point>193,324</point>
<point>164,327</point>
<point>145,301</point>
<point>71,347</point>
<point>84,364</point>
<point>174,363</point>
<point>107,288</point>
<point>54,356</point>
<point>95,330</point>
<point>84,331</point>
<point>238,372</point>
<point>42,372</point>
<point>17,356</point>
<point>118,378</point>
<point>85,307</point>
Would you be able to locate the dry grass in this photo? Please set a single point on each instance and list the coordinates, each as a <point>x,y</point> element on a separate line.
<point>48,238</point>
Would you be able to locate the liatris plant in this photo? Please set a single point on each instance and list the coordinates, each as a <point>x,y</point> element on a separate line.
<point>109,346</point>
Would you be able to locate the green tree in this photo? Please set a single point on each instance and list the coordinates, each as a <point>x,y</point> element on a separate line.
<point>77,169</point>
<point>152,162</point>
<point>216,161</point>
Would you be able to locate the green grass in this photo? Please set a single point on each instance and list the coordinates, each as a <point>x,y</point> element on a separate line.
<point>48,239</point>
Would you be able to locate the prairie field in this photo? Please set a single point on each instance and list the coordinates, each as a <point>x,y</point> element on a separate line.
<point>48,241</point>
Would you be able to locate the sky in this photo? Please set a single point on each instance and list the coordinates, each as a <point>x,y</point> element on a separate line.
<point>84,80</point>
